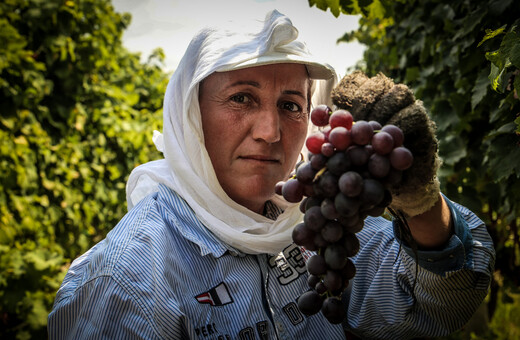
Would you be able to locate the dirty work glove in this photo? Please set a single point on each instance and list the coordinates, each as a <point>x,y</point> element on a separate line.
<point>379,99</point>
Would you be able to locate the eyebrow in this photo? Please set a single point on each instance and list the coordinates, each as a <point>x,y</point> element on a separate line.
<point>294,92</point>
<point>257,85</point>
<point>244,82</point>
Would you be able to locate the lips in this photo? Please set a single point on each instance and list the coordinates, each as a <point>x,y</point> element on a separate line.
<point>261,158</point>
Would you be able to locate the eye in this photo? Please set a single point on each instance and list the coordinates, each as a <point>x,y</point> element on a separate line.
<point>292,107</point>
<point>240,98</point>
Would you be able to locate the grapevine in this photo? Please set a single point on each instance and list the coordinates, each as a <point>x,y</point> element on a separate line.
<point>350,169</point>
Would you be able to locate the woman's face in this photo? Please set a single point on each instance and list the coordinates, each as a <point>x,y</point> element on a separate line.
<point>255,123</point>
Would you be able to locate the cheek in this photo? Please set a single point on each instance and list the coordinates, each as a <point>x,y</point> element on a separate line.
<point>293,143</point>
<point>223,134</point>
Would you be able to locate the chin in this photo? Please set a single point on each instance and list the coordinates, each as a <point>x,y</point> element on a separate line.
<point>253,196</point>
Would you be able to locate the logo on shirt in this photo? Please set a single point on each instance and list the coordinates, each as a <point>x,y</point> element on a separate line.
<point>216,296</point>
<point>289,265</point>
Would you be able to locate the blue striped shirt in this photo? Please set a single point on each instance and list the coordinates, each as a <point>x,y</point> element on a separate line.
<point>160,274</point>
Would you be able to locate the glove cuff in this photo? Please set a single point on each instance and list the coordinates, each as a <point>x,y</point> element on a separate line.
<point>418,201</point>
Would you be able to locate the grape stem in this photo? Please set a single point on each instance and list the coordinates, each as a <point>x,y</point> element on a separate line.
<point>319,173</point>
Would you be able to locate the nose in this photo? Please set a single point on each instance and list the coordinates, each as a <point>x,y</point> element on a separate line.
<point>266,125</point>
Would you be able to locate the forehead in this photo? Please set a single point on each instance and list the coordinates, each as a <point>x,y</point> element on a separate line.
<point>293,75</point>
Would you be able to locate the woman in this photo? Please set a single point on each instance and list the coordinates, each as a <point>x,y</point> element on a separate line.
<point>206,251</point>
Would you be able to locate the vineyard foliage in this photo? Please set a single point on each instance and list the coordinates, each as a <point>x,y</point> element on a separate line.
<point>77,110</point>
<point>462,58</point>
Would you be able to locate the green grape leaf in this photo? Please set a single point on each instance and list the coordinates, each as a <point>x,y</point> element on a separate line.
<point>321,4</point>
<point>348,6</point>
<point>511,46</point>
<point>480,88</point>
<point>504,155</point>
<point>490,34</point>
<point>497,76</point>
<point>452,149</point>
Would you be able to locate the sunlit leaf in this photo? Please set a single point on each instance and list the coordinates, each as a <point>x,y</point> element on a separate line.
<point>497,78</point>
<point>490,34</point>
<point>64,153</point>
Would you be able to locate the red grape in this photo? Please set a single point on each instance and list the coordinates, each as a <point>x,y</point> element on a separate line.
<point>350,168</point>
<point>328,209</point>
<point>320,115</point>
<point>314,219</point>
<point>319,241</point>
<point>375,125</point>
<point>348,271</point>
<point>340,137</point>
<point>321,288</point>
<point>278,187</point>
<point>332,231</point>
<point>303,236</point>
<point>358,155</point>
<point>341,118</point>
<point>351,183</point>
<point>332,280</point>
<point>362,133</point>
<point>401,158</point>
<point>326,132</point>
<point>328,184</point>
<point>318,161</point>
<point>346,206</point>
<point>305,173</point>
<point>316,265</point>
<point>314,142</point>
<point>313,280</point>
<point>303,204</point>
<point>373,192</point>
<point>333,310</point>
<point>335,256</point>
<point>396,132</point>
<point>338,163</point>
<point>327,149</point>
<point>292,190</point>
<point>382,142</point>
<point>310,302</point>
<point>378,166</point>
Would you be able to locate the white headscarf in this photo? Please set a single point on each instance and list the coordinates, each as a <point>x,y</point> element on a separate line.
<point>186,167</point>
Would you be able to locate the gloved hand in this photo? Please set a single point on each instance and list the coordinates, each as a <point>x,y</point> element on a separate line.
<point>379,99</point>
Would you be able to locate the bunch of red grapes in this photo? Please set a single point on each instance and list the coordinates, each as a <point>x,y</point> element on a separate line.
<point>351,167</point>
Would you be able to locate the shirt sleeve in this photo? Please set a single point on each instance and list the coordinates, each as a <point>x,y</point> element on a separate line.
<point>398,295</point>
<point>470,246</point>
<point>99,309</point>
<point>112,291</point>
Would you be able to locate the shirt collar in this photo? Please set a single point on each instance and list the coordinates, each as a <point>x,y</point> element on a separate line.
<point>186,222</point>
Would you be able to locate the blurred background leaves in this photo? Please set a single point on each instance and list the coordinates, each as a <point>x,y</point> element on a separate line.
<point>77,112</point>
<point>462,58</point>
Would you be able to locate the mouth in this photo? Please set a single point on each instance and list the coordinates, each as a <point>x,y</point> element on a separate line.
<point>260,158</point>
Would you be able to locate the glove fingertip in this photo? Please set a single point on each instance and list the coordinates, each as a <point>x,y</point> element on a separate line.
<point>419,137</point>
<point>343,94</point>
<point>399,97</point>
<point>369,94</point>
